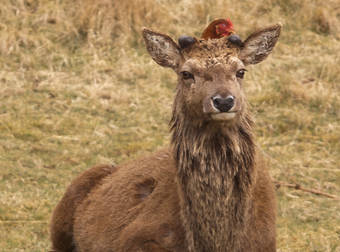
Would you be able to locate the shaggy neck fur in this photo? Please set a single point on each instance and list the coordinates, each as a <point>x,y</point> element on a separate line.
<point>215,164</point>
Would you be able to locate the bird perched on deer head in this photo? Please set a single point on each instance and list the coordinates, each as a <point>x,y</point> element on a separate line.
<point>222,28</point>
<point>218,28</point>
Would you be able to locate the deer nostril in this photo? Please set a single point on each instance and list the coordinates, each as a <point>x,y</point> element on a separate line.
<point>230,99</point>
<point>223,104</point>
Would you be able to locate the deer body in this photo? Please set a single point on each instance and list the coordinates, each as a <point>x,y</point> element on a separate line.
<point>209,192</point>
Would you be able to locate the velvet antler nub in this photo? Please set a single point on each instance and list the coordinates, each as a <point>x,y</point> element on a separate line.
<point>186,41</point>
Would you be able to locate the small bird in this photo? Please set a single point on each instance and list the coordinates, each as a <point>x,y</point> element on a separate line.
<point>218,28</point>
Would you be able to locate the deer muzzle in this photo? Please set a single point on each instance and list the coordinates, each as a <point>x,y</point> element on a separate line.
<point>221,108</point>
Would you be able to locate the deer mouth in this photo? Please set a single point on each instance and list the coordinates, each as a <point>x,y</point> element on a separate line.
<point>224,116</point>
<point>216,114</point>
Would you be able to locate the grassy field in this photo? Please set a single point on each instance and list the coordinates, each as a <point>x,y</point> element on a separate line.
<point>77,88</point>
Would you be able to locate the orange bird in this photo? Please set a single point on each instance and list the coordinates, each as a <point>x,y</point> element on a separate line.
<point>218,28</point>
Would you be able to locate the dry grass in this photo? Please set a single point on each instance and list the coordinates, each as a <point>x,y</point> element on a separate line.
<point>78,88</point>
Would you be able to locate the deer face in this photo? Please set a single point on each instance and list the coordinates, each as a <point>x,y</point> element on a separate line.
<point>210,72</point>
<point>210,78</point>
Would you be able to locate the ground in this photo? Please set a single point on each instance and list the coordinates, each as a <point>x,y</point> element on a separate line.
<point>77,88</point>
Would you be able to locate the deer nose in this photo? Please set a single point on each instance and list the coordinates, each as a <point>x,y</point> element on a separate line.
<point>223,104</point>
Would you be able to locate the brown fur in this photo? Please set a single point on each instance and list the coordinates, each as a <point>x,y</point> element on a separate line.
<point>209,192</point>
<point>63,216</point>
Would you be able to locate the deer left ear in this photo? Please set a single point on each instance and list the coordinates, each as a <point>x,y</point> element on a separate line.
<point>259,45</point>
<point>162,49</point>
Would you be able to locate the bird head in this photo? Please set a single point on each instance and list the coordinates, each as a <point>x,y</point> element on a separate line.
<point>218,28</point>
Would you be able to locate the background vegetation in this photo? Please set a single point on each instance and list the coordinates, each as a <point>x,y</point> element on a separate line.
<point>77,88</point>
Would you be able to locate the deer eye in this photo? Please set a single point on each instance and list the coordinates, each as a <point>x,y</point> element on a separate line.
<point>240,73</point>
<point>187,75</point>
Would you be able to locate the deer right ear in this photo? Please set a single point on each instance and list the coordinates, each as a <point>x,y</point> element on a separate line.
<point>162,49</point>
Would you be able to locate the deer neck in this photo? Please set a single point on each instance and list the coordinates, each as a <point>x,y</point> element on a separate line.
<point>214,168</point>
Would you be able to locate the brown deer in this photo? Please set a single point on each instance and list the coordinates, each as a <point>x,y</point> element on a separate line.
<point>210,191</point>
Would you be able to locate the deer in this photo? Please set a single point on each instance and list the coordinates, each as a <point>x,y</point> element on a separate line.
<point>209,191</point>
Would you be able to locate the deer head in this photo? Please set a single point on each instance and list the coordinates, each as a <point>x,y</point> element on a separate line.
<point>210,72</point>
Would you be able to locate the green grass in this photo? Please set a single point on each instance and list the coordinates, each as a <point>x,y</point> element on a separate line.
<point>77,88</point>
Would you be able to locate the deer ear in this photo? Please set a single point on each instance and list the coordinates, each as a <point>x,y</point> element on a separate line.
<point>259,45</point>
<point>162,49</point>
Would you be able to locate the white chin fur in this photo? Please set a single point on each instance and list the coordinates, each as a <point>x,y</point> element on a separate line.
<point>223,116</point>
